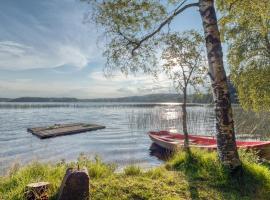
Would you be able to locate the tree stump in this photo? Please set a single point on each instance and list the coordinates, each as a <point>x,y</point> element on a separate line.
<point>37,191</point>
<point>75,185</point>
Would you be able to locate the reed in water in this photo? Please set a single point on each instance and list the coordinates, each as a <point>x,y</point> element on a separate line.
<point>248,125</point>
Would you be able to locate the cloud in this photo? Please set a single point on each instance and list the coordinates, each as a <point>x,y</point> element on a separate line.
<point>133,85</point>
<point>46,50</point>
<point>14,56</point>
<point>120,77</point>
<point>127,90</point>
<point>13,48</point>
<point>20,87</point>
<point>45,34</point>
<point>72,56</point>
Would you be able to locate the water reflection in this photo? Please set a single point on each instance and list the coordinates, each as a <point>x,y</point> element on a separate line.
<point>124,141</point>
<point>171,114</point>
<point>160,153</point>
<point>200,119</point>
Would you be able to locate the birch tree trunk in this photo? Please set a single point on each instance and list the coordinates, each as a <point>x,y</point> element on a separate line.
<point>226,144</point>
<point>184,120</point>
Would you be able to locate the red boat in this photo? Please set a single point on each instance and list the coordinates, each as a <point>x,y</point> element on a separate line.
<point>173,141</point>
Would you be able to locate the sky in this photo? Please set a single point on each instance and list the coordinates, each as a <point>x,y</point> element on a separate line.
<point>47,51</point>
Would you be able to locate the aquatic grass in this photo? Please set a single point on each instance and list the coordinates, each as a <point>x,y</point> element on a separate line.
<point>170,117</point>
<point>247,123</point>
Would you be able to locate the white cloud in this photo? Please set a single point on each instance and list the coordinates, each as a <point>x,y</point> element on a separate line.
<point>120,77</point>
<point>73,56</point>
<point>38,34</point>
<point>133,85</point>
<point>13,48</point>
<point>17,56</point>
<point>94,88</point>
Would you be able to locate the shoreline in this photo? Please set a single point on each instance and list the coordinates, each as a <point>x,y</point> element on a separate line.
<point>198,176</point>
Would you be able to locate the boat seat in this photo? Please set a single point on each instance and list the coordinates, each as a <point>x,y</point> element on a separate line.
<point>168,138</point>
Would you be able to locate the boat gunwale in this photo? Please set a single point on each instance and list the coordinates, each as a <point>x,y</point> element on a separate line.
<point>240,144</point>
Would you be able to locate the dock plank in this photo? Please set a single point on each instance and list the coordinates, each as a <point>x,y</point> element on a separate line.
<point>63,129</point>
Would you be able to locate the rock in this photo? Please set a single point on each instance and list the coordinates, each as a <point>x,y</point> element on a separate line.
<point>75,185</point>
<point>37,191</point>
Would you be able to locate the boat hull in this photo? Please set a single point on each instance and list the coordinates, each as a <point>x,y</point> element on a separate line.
<point>173,142</point>
<point>164,145</point>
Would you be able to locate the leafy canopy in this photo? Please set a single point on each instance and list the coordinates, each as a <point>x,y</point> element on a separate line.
<point>246,27</point>
<point>184,59</point>
<point>133,30</point>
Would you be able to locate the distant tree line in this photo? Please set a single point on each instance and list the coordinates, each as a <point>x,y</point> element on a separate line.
<point>192,98</point>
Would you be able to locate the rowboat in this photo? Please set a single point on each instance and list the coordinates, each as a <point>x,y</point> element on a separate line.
<point>174,141</point>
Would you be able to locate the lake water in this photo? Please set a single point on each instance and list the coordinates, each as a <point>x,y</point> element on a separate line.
<point>124,141</point>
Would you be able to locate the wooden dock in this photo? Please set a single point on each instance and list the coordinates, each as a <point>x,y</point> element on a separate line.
<point>63,129</point>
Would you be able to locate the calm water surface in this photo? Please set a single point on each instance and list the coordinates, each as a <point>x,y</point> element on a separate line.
<point>124,141</point>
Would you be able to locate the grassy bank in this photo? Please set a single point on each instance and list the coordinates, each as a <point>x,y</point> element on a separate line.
<point>199,176</point>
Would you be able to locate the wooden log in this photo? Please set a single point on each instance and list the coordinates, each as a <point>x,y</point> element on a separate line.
<point>75,185</point>
<point>37,191</point>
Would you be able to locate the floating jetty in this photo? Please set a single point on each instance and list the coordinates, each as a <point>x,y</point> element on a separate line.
<point>63,129</point>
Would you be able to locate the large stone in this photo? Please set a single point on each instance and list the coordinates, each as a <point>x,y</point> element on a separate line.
<point>75,185</point>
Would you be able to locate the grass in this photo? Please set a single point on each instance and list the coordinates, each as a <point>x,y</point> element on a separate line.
<point>203,170</point>
<point>195,176</point>
<point>132,170</point>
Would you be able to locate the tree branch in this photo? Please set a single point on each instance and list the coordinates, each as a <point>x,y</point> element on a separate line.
<point>177,11</point>
<point>193,67</point>
<point>130,41</point>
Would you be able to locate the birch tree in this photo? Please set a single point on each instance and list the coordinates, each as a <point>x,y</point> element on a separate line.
<point>185,64</point>
<point>133,30</point>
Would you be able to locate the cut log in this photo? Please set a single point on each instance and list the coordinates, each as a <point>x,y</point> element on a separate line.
<point>37,191</point>
<point>75,185</point>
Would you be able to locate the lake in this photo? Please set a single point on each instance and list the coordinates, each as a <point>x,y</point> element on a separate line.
<point>124,141</point>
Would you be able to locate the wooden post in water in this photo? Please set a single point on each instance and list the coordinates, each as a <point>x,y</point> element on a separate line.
<point>37,191</point>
